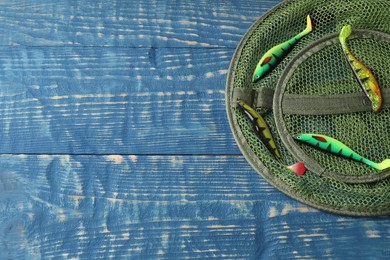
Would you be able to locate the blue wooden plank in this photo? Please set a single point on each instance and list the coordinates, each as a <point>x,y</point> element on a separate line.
<point>128,23</point>
<point>83,100</point>
<point>165,207</point>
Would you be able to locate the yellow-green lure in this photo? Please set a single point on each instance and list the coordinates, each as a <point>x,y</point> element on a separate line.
<point>363,75</point>
<point>336,147</point>
<point>265,135</point>
<point>272,57</point>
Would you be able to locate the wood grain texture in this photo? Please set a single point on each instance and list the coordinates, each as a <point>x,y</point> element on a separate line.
<point>115,142</point>
<point>89,207</point>
<point>84,100</point>
<point>127,23</point>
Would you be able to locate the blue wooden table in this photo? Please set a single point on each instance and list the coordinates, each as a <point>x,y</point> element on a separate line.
<point>115,141</point>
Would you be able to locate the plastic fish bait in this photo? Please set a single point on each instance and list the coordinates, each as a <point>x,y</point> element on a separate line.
<point>272,57</point>
<point>265,135</point>
<point>363,75</point>
<point>336,147</point>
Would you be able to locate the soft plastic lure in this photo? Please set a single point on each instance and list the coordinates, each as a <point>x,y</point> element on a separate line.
<point>336,147</point>
<point>265,135</point>
<point>272,57</point>
<point>363,75</point>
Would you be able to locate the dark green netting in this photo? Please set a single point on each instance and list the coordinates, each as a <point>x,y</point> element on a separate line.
<point>333,183</point>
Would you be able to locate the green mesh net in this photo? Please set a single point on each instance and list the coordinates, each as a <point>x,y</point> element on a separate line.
<point>316,67</point>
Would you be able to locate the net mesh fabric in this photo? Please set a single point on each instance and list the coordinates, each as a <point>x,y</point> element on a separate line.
<point>323,73</point>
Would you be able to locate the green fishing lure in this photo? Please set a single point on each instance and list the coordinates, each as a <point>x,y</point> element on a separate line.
<point>336,147</point>
<point>265,136</point>
<point>363,75</point>
<point>272,57</point>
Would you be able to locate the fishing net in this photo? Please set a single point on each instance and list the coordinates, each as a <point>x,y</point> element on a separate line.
<point>313,90</point>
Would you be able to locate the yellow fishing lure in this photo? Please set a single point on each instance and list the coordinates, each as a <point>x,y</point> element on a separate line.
<point>363,75</point>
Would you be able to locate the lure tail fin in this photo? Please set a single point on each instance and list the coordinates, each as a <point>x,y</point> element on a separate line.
<point>298,168</point>
<point>309,28</point>
<point>346,31</point>
<point>383,165</point>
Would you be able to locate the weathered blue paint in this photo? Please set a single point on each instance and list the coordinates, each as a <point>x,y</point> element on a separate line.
<point>113,100</point>
<point>127,97</point>
<point>127,23</point>
<point>167,207</point>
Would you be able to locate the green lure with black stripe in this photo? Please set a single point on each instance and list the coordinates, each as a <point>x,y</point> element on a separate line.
<point>272,57</point>
<point>336,147</point>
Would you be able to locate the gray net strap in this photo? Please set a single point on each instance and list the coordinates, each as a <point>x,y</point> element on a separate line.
<point>311,104</point>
